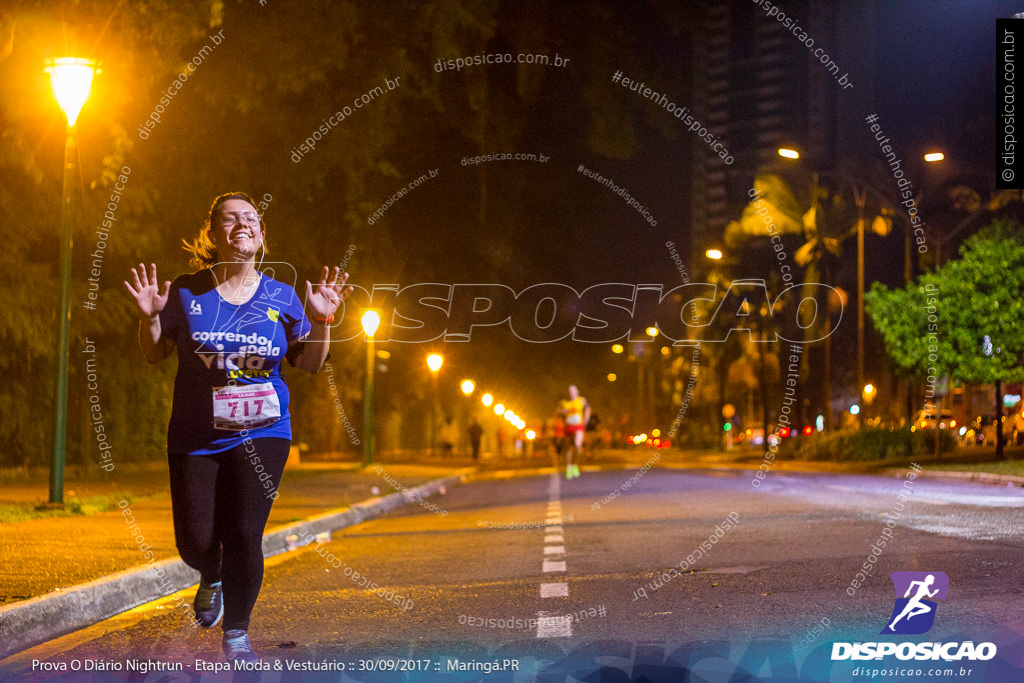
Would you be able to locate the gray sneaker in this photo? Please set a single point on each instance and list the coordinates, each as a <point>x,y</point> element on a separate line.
<point>209,603</point>
<point>237,646</point>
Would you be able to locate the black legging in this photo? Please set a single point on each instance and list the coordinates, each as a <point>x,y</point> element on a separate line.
<point>221,503</point>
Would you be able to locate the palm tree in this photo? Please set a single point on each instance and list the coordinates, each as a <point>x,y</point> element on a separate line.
<point>822,223</point>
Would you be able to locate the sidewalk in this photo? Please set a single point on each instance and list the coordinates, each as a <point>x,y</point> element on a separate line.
<point>62,573</point>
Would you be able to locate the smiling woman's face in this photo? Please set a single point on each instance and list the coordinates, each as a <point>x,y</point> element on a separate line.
<point>237,231</point>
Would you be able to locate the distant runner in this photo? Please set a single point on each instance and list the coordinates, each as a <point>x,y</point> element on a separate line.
<point>577,413</point>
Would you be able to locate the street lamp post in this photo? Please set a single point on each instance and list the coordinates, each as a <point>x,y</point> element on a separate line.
<point>468,386</point>
<point>647,394</point>
<point>71,81</point>
<point>860,197</point>
<point>370,321</point>
<point>434,362</point>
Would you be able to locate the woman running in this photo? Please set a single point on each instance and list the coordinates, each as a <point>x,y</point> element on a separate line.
<point>230,430</point>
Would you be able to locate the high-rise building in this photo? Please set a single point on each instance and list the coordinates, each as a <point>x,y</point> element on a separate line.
<point>758,86</point>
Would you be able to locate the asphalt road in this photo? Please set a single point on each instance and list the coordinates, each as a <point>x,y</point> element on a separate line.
<point>533,568</point>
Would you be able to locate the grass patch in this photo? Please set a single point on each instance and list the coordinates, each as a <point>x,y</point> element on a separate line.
<point>869,444</point>
<point>88,505</point>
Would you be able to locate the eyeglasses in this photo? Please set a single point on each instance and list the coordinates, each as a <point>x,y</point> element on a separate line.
<point>235,217</point>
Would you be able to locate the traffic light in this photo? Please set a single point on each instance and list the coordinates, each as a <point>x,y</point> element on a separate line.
<point>727,427</point>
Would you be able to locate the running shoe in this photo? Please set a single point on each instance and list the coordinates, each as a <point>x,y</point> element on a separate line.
<point>209,603</point>
<point>237,646</point>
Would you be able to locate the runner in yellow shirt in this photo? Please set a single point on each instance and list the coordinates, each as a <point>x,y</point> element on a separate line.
<point>577,413</point>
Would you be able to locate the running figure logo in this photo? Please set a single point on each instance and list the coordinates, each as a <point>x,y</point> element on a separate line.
<point>914,613</point>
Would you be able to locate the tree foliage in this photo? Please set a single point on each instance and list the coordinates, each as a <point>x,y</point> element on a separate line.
<point>965,320</point>
<point>280,70</point>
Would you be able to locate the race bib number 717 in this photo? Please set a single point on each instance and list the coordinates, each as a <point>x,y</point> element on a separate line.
<point>245,407</point>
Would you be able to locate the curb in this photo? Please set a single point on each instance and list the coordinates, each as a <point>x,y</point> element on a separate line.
<point>980,477</point>
<point>37,620</point>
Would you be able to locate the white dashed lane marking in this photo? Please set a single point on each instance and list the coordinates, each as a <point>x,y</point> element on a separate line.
<point>554,590</point>
<point>555,625</point>
<point>553,566</point>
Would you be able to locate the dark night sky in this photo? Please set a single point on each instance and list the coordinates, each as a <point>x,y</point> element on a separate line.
<point>937,62</point>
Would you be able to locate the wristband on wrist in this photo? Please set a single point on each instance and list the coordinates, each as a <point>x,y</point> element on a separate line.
<point>323,321</point>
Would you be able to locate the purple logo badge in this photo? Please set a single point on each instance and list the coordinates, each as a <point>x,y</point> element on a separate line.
<point>916,593</point>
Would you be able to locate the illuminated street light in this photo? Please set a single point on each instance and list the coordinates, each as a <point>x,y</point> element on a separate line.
<point>498,409</point>
<point>617,348</point>
<point>487,399</point>
<point>509,414</point>
<point>370,321</point>
<point>652,331</point>
<point>789,153</point>
<point>530,434</point>
<point>868,394</point>
<point>468,386</point>
<point>434,362</point>
<point>932,157</point>
<point>612,377</point>
<point>71,81</point>
<point>714,254</point>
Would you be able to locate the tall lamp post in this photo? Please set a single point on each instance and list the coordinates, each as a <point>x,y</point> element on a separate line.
<point>434,362</point>
<point>71,81</point>
<point>468,386</point>
<point>860,197</point>
<point>487,399</point>
<point>370,321</point>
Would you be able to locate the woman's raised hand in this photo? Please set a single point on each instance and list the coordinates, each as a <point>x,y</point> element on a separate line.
<point>149,296</point>
<point>330,291</point>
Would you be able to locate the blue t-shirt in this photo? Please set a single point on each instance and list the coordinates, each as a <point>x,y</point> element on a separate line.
<point>229,386</point>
